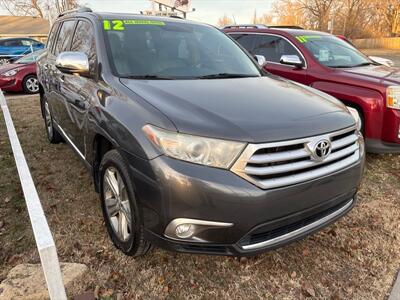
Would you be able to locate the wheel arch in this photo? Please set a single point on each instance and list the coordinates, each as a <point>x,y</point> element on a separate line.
<point>101,145</point>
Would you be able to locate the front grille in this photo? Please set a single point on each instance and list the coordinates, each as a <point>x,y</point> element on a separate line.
<point>261,239</point>
<point>281,164</point>
<point>261,235</point>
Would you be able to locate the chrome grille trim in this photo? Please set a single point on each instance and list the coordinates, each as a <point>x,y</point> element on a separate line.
<point>288,167</point>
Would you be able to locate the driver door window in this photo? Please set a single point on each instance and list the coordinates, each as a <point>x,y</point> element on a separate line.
<point>273,47</point>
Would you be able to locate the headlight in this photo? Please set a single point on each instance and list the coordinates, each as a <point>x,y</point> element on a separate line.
<point>195,149</point>
<point>10,73</point>
<point>393,97</point>
<point>356,116</point>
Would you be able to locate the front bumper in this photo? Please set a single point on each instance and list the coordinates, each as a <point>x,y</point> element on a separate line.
<point>169,189</point>
<point>10,84</point>
<point>380,147</point>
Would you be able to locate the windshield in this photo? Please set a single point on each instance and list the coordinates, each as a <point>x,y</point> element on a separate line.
<point>30,58</point>
<point>333,52</point>
<point>170,50</point>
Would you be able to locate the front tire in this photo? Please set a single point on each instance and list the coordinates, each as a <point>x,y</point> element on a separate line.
<point>30,84</point>
<point>53,135</point>
<point>120,209</point>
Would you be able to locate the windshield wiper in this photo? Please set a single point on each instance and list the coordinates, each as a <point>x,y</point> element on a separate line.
<point>150,77</point>
<point>354,66</point>
<point>226,75</point>
<point>363,64</point>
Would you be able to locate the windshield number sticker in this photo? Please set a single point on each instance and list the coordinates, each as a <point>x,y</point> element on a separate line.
<point>307,38</point>
<point>120,24</point>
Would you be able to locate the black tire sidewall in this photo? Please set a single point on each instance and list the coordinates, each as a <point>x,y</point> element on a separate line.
<point>114,159</point>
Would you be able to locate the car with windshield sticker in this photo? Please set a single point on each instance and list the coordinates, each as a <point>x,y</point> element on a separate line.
<point>332,65</point>
<point>190,145</point>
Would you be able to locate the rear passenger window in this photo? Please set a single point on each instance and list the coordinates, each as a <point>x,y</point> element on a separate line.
<point>84,41</point>
<point>64,37</point>
<point>12,43</point>
<point>273,47</point>
<point>246,40</point>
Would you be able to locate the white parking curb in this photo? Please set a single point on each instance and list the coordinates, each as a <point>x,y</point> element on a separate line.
<point>44,239</point>
<point>395,294</point>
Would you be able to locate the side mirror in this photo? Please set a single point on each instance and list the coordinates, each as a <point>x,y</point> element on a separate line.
<point>291,60</point>
<point>71,62</point>
<point>261,60</point>
<point>382,61</point>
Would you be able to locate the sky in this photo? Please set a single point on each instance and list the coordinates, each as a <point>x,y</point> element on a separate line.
<point>208,11</point>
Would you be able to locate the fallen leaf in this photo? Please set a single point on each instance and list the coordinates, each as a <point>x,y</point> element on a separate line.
<point>7,199</point>
<point>308,291</point>
<point>293,275</point>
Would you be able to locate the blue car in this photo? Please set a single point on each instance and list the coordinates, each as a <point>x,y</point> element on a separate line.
<point>13,48</point>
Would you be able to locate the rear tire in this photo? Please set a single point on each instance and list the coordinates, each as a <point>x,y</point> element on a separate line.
<point>30,84</point>
<point>120,209</point>
<point>53,135</point>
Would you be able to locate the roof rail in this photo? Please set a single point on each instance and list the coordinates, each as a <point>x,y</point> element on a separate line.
<point>176,17</point>
<point>77,10</point>
<point>285,27</point>
<point>256,26</point>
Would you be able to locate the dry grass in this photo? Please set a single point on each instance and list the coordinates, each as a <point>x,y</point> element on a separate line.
<point>357,258</point>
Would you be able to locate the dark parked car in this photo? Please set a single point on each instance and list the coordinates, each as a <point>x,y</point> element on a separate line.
<point>20,76</point>
<point>190,146</point>
<point>12,49</point>
<point>329,64</point>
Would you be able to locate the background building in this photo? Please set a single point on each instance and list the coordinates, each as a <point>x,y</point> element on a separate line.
<point>23,26</point>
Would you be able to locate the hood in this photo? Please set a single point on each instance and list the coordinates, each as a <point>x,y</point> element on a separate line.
<point>9,67</point>
<point>260,109</point>
<point>381,74</point>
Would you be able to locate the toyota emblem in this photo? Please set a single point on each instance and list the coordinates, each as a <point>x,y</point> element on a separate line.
<point>322,150</point>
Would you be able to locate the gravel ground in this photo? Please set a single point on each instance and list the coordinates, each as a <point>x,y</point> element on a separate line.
<point>356,258</point>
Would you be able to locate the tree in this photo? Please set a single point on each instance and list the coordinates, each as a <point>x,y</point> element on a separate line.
<point>291,12</point>
<point>265,19</point>
<point>225,20</point>
<point>47,9</point>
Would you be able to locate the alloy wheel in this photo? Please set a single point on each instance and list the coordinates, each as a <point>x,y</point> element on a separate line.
<point>117,203</point>
<point>32,84</point>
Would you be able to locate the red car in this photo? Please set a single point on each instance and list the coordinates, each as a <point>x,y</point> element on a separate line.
<point>331,65</point>
<point>20,76</point>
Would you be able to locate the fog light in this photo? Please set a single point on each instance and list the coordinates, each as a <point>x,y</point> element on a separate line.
<point>191,229</point>
<point>184,231</point>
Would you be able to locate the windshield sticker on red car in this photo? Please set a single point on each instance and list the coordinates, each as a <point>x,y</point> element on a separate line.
<point>307,38</point>
<point>120,24</point>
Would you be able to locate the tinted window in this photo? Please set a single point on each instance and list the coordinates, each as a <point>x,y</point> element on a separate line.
<point>52,36</point>
<point>64,37</point>
<point>246,40</point>
<point>273,47</point>
<point>84,41</point>
<point>12,43</point>
<point>167,49</point>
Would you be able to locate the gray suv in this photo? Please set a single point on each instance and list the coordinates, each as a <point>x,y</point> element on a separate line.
<point>191,146</point>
